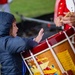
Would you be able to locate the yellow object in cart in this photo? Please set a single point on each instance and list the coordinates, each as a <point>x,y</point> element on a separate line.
<point>66,60</point>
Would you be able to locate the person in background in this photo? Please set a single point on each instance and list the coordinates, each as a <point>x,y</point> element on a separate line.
<point>65,13</point>
<point>4,6</point>
<point>12,45</point>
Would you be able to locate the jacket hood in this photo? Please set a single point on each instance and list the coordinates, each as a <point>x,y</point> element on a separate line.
<point>6,20</point>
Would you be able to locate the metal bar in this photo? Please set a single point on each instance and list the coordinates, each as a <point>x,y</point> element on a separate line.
<point>39,68</point>
<point>69,42</point>
<point>56,58</point>
<point>35,20</point>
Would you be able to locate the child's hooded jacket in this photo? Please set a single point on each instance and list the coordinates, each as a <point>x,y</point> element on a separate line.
<point>10,47</point>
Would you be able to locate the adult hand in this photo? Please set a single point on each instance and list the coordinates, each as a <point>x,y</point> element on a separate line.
<point>58,21</point>
<point>69,19</point>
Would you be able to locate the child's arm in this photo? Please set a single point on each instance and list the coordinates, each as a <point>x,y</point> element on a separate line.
<point>39,36</point>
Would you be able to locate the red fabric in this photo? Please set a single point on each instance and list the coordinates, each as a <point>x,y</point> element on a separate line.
<point>55,10</point>
<point>3,1</point>
<point>61,10</point>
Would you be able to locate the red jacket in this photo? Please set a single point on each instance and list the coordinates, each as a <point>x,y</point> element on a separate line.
<point>3,1</point>
<point>62,9</point>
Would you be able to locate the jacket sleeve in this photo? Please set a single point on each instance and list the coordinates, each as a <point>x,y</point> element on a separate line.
<point>17,45</point>
<point>61,7</point>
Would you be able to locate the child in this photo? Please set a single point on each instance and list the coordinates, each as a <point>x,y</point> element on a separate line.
<point>11,45</point>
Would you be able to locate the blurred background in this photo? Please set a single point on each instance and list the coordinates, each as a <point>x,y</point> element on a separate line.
<point>32,8</point>
<point>32,15</point>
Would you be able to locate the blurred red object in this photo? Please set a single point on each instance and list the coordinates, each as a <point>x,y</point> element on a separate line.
<point>48,25</point>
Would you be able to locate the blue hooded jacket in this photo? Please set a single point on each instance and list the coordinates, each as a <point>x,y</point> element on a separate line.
<point>10,47</point>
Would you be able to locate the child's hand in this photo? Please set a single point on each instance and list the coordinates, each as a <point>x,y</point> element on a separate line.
<point>40,35</point>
